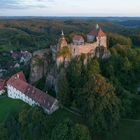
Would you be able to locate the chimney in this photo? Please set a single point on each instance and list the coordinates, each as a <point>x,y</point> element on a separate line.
<point>17,75</point>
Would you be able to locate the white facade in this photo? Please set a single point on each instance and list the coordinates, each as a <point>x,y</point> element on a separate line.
<point>16,94</point>
<point>78,42</point>
<point>54,107</point>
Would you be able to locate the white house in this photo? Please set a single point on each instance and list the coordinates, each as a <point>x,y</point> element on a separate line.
<point>18,88</point>
<point>78,40</point>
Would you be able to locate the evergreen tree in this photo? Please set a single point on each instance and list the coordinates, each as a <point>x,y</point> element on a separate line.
<point>63,90</point>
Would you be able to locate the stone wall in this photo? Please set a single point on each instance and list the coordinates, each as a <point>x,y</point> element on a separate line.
<point>102,41</point>
<point>86,48</point>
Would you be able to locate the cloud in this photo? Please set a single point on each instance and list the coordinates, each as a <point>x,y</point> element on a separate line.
<point>23,4</point>
<point>69,7</point>
<point>8,4</point>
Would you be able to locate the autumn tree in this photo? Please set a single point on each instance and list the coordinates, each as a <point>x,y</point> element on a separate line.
<point>99,104</point>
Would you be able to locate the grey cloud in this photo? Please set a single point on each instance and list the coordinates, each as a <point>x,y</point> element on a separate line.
<point>19,4</point>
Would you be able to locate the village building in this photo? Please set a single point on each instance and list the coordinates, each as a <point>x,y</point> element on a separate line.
<point>16,54</point>
<point>18,88</point>
<point>2,86</point>
<point>22,56</point>
<point>17,65</point>
<point>26,57</point>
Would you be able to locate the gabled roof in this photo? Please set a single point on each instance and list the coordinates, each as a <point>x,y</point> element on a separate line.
<point>101,33</point>
<point>20,75</point>
<point>16,55</point>
<point>78,37</point>
<point>45,100</point>
<point>97,32</point>
<point>93,32</point>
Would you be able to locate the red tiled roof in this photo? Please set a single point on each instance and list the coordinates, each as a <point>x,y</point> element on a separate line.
<point>101,33</point>
<point>2,84</point>
<point>16,55</point>
<point>97,33</point>
<point>45,100</point>
<point>93,32</point>
<point>78,37</point>
<point>20,75</point>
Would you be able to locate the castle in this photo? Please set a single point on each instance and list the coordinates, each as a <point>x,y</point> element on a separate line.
<point>96,46</point>
<point>18,88</point>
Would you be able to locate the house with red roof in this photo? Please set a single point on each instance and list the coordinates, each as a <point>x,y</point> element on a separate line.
<point>2,86</point>
<point>101,39</point>
<point>18,88</point>
<point>78,40</point>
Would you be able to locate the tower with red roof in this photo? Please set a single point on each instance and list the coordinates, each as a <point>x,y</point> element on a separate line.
<point>97,35</point>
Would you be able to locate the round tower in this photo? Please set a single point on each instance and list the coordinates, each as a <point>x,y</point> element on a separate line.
<point>62,41</point>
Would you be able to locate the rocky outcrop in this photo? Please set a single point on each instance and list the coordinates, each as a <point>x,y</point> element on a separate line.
<point>40,65</point>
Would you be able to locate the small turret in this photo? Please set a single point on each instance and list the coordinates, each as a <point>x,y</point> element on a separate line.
<point>62,41</point>
<point>62,34</point>
<point>97,26</point>
<point>62,56</point>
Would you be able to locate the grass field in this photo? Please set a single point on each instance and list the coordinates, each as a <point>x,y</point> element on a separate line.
<point>8,105</point>
<point>130,128</point>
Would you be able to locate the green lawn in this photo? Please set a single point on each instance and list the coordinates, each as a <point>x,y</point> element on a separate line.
<point>8,105</point>
<point>128,130</point>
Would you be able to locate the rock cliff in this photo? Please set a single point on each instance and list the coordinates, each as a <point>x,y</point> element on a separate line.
<point>40,65</point>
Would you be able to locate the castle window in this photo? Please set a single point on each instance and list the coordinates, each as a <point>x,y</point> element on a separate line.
<point>74,50</point>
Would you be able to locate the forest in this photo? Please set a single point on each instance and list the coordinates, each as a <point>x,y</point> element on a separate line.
<point>103,94</point>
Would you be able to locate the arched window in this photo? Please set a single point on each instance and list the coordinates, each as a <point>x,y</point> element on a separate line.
<point>74,50</point>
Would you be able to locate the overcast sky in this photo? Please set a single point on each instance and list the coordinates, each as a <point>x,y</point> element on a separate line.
<point>69,7</point>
